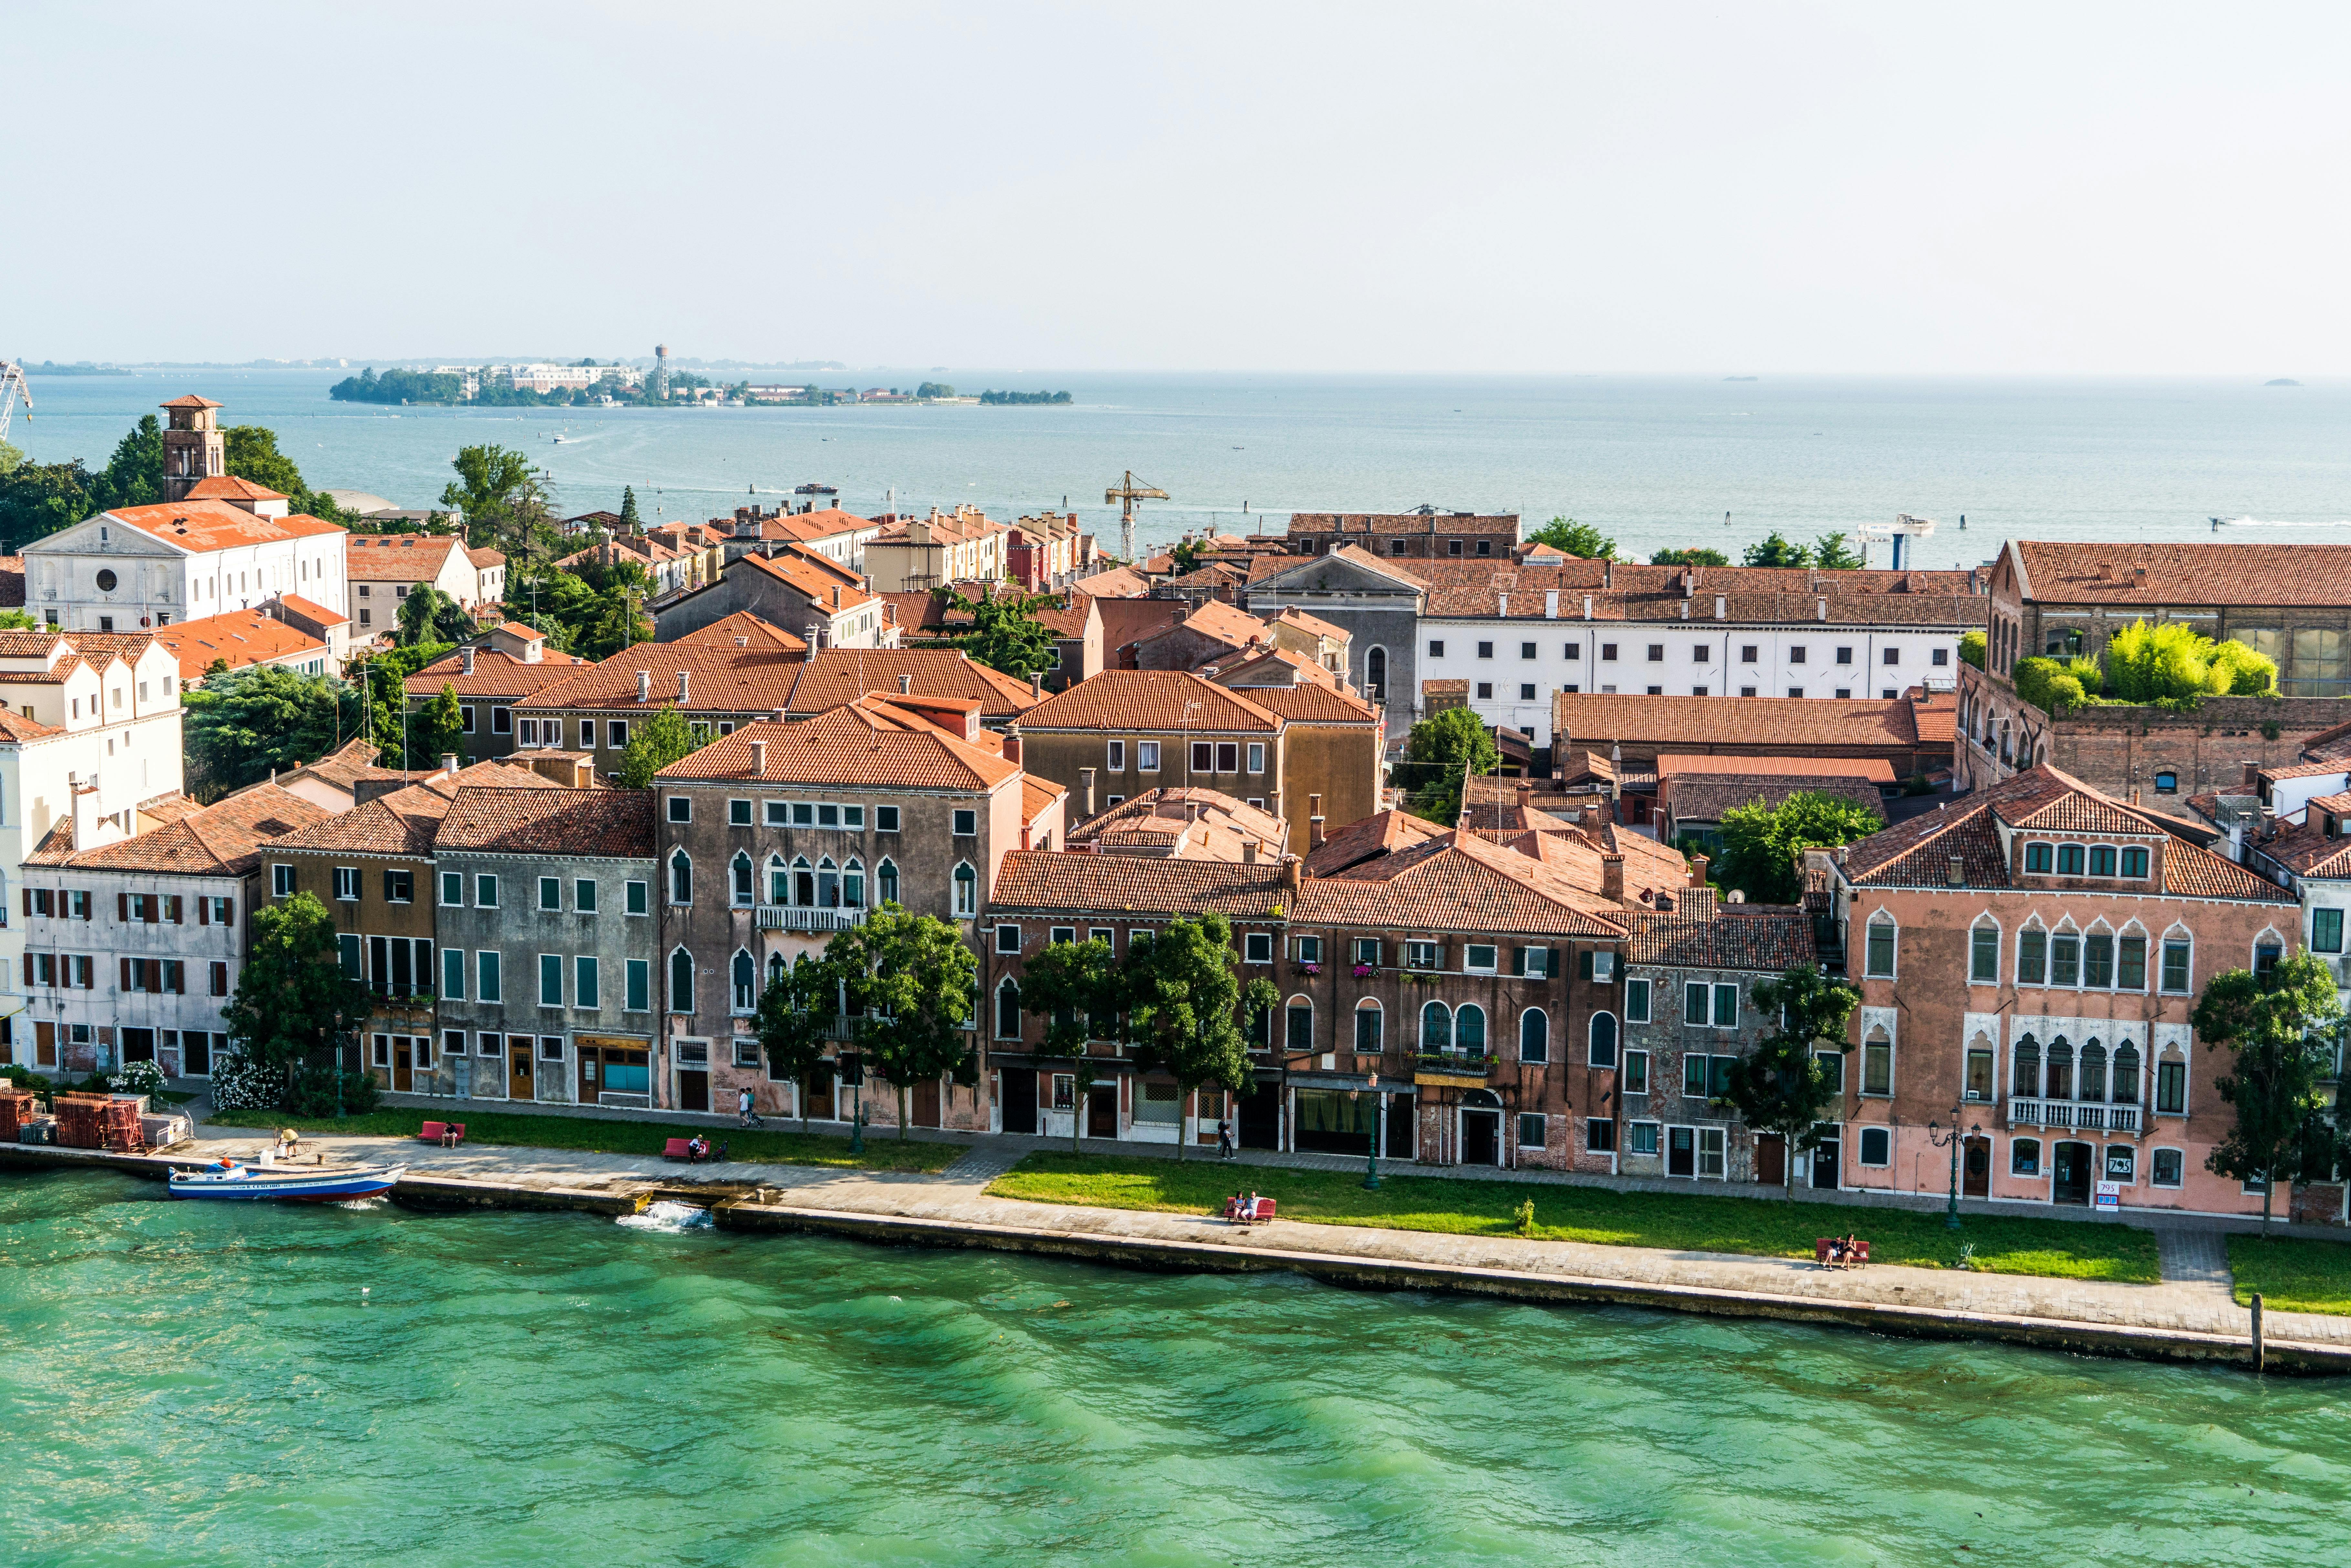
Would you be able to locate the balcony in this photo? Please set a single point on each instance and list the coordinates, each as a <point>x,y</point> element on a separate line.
<point>2082,1117</point>
<point>805,918</point>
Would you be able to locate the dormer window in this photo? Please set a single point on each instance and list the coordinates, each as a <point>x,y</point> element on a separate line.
<point>2102,860</point>
<point>2069,860</point>
<point>2135,863</point>
<point>2038,858</point>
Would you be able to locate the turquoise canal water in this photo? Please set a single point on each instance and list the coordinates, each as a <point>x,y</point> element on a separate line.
<point>196,1385</point>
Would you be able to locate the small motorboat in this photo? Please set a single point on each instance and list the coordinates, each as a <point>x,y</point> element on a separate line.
<point>235,1181</point>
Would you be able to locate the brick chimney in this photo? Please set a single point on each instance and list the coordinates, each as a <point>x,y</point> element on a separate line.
<point>2253,772</point>
<point>1012,745</point>
<point>1612,877</point>
<point>1697,870</point>
<point>759,759</point>
<point>1086,789</point>
<point>1293,874</point>
<point>1526,793</point>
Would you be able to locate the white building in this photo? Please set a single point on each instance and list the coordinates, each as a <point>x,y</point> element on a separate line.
<point>230,545</point>
<point>385,569</point>
<point>89,735</point>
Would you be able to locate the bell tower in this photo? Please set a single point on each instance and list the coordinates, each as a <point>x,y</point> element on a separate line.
<point>194,446</point>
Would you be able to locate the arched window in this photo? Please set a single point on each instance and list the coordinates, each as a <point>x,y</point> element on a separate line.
<point>1376,672</point>
<point>828,884</point>
<point>739,869</point>
<point>680,879</point>
<point>1603,1039</point>
<point>780,884</point>
<point>2125,1073</point>
<point>1298,1027</point>
<point>966,889</point>
<point>681,981</point>
<point>1470,1029</point>
<point>885,880</point>
<point>1436,1030</point>
<point>777,969</point>
<point>1534,1035</point>
<point>803,883</point>
<point>852,885</point>
<point>747,981</point>
<point>2094,1072</point>
<point>2060,1068</point>
<point>2026,1080</point>
<point>1008,1010</point>
<point>1367,1027</point>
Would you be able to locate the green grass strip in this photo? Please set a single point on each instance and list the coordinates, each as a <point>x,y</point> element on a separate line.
<point>2292,1275</point>
<point>1692,1221</point>
<point>615,1137</point>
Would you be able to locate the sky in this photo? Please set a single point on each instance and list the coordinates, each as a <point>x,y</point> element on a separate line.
<point>1548,188</point>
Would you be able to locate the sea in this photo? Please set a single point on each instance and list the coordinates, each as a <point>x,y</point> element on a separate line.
<point>240,1386</point>
<point>1652,461</point>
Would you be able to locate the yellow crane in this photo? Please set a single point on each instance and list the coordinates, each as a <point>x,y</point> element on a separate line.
<point>1127,493</point>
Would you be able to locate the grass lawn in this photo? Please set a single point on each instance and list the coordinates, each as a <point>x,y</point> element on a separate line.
<point>885,1152</point>
<point>2294,1276</point>
<point>1680,1222</point>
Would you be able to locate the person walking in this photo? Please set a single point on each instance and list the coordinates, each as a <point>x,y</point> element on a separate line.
<point>1224,1138</point>
<point>743,1111</point>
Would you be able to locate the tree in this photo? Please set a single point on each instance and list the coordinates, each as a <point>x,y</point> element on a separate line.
<point>2174,664</point>
<point>1003,635</point>
<point>1782,1086</point>
<point>293,1001</point>
<point>1458,744</point>
<point>912,985</point>
<point>241,726</point>
<point>1576,539</point>
<point>385,672</point>
<point>2282,1026</point>
<point>1082,991</point>
<point>1776,551</point>
<point>251,451</point>
<point>1972,646</point>
<point>653,744</point>
<point>1187,556</point>
<point>1183,1008</point>
<point>429,615</point>
<point>39,498</point>
<point>134,475</point>
<point>438,730</point>
<point>1695,557</point>
<point>795,1020</point>
<point>11,455</point>
<point>1763,846</point>
<point>1831,553</point>
<point>629,522</point>
<point>505,502</point>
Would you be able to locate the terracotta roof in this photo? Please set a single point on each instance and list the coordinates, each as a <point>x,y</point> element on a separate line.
<point>1216,619</point>
<point>405,821</point>
<point>1118,582</point>
<point>1036,797</point>
<point>1771,940</point>
<point>486,557</point>
<point>837,676</point>
<point>2310,575</point>
<point>1381,833</point>
<point>614,824</point>
<point>201,525</point>
<point>221,840</point>
<point>346,766</point>
<point>12,581</point>
<point>229,487</point>
<point>743,623</point>
<point>1263,667</point>
<point>1065,614</point>
<point>192,401</point>
<point>1456,883</point>
<point>242,637</point>
<point>2318,769</point>
<point>1704,798</point>
<point>1874,768</point>
<point>947,528</point>
<point>496,674</point>
<point>829,522</point>
<point>801,572</point>
<point>317,615</point>
<point>1053,881</point>
<point>1184,824</point>
<point>1313,625</point>
<point>399,557</point>
<point>926,614</point>
<point>1127,620</point>
<point>1165,700</point>
<point>1672,721</point>
<point>870,743</point>
<point>2306,849</point>
<point>1315,703</point>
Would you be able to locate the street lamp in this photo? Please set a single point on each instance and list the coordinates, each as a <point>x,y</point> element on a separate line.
<point>1372,1136</point>
<point>1935,1137</point>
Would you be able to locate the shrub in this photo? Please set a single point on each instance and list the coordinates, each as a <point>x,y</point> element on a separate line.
<point>240,1083</point>
<point>2174,665</point>
<point>1971,648</point>
<point>139,1078</point>
<point>2049,686</point>
<point>315,1092</point>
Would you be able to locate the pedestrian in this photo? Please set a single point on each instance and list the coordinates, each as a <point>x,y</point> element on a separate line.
<point>1224,1138</point>
<point>743,1111</point>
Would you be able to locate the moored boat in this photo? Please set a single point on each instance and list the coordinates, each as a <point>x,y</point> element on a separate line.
<point>235,1181</point>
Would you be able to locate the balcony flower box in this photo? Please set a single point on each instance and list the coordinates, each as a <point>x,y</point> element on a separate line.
<point>1309,969</point>
<point>1365,971</point>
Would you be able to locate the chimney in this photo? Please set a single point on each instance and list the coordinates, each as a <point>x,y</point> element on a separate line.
<point>1719,605</point>
<point>759,759</point>
<point>1293,873</point>
<point>1314,824</point>
<point>1526,793</point>
<point>905,686</point>
<point>1690,582</point>
<point>1037,686</point>
<point>2134,794</point>
<point>449,762</point>
<point>1012,745</point>
<point>2138,577</point>
<point>809,654</point>
<point>1697,870</point>
<point>1086,789</point>
<point>469,661</point>
<point>1607,575</point>
<point>644,686</point>
<point>1612,877</point>
<point>1958,875</point>
<point>682,684</point>
<point>1820,609</point>
<point>1248,850</point>
<point>1587,607</point>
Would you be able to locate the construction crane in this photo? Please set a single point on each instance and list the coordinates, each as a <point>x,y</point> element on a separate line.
<point>12,381</point>
<point>1127,493</point>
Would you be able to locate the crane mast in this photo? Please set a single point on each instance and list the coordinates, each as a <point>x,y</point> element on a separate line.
<point>1127,492</point>
<point>12,383</point>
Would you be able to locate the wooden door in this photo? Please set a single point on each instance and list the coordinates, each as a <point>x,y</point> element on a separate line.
<point>693,1090</point>
<point>1102,1111</point>
<point>1681,1151</point>
<point>45,1044</point>
<point>518,1067</point>
<point>1020,1099</point>
<point>1481,1138</point>
<point>1975,1168</point>
<point>816,1095</point>
<point>1771,1159</point>
<point>1825,1166</point>
<point>589,1088</point>
<point>402,1078</point>
<point>926,1097</point>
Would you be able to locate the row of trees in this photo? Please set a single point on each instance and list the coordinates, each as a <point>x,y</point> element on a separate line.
<point>39,498</point>
<point>1830,552</point>
<point>2171,666</point>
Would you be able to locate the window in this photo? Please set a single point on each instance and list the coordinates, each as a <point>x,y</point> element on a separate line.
<point>2024,1158</point>
<point>637,901</point>
<point>1636,1001</point>
<point>1881,950</point>
<point>1694,1004</point>
<point>1878,1068</point>
<point>2031,957</point>
<point>1832,1069</point>
<point>1845,655</point>
<point>738,813</point>
<point>1435,1029</point>
<point>1257,947</point>
<point>1641,1137</point>
<point>1534,1035</point>
<point>219,978</point>
<point>1436,650</point>
<point>1796,654</point>
<point>585,990</point>
<point>347,883</point>
<point>453,887</point>
<point>886,882</point>
<point>2166,783</point>
<point>1485,650</point>
<point>1608,652</point>
<point>966,824</point>
<point>1939,658</point>
<point>1526,650</point>
<point>1485,691</point>
<point>1636,1072</point>
<point>2102,861</point>
<point>1118,756</point>
<point>1601,1041</point>
<point>681,878</point>
<point>639,982</point>
<point>1007,1011</point>
<point>741,878</point>
<point>1228,756</point>
<point>2064,960</point>
<point>1367,951</point>
<point>1573,651</point>
<point>2037,858</point>
<point>1534,963</point>
<point>2135,863</point>
<point>551,980</point>
<point>1877,1146</point>
<point>966,890</point>
<point>490,982</point>
<point>1656,653</point>
<point>1204,757</point>
<point>2099,960</point>
<point>1308,950</point>
<point>485,891</point>
<point>680,809</point>
<point>1420,956</point>
<point>399,885</point>
<point>1257,757</point>
<point>1479,958</point>
<point>2166,1170</point>
<point>453,974</point>
<point>583,894</point>
<point>885,818</point>
<point>1599,1133</point>
<point>550,894</point>
<point>1795,691</point>
<point>616,733</point>
<point>1526,692</point>
<point>1297,1028</point>
<point>803,814</point>
<point>2069,860</point>
<point>1694,1076</point>
<point>1726,1006</point>
<point>2174,966</point>
<point>2131,970</point>
<point>1469,1031</point>
<point>681,981</point>
<point>1983,966</point>
<point>1146,756</point>
<point>2326,931</point>
<point>2171,1088</point>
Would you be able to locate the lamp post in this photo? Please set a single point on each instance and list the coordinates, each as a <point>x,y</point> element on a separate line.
<point>1935,1137</point>
<point>1372,1137</point>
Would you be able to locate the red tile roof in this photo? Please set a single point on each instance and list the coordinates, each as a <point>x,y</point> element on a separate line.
<point>317,615</point>
<point>242,637</point>
<point>496,674</point>
<point>1371,523</point>
<point>221,840</point>
<point>1874,768</point>
<point>1672,723</point>
<point>832,588</point>
<point>869,743</point>
<point>744,624</point>
<point>202,526</point>
<point>1186,823</point>
<point>612,825</point>
<point>1313,704</point>
<point>399,557</point>
<point>1169,700</point>
<point>1055,882</point>
<point>1456,883</point>
<point>229,487</point>
<point>192,401</point>
<point>2238,575</point>
<point>1735,936</point>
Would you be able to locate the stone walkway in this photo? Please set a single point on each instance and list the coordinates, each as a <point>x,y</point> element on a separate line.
<point>2192,1296</point>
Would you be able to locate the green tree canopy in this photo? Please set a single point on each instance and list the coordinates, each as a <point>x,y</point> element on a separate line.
<point>1782,1086</point>
<point>2174,662</point>
<point>1185,1007</point>
<point>134,475</point>
<point>252,453</point>
<point>437,730</point>
<point>1081,990</point>
<point>629,521</point>
<point>1777,550</point>
<point>429,615</point>
<point>1972,647</point>
<point>653,744</point>
<point>912,984</point>
<point>241,724</point>
<point>795,1020</point>
<point>1005,634</point>
<point>1694,556</point>
<point>1763,847</point>
<point>505,501</point>
<point>1454,743</point>
<point>293,1000</point>
<point>1576,539</point>
<point>2282,1028</point>
<point>1831,553</point>
<point>11,455</point>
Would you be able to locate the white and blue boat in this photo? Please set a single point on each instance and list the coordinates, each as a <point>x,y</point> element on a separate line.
<point>234,1181</point>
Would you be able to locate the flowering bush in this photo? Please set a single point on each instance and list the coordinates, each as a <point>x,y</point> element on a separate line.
<point>1309,969</point>
<point>1364,971</point>
<point>239,1084</point>
<point>139,1078</point>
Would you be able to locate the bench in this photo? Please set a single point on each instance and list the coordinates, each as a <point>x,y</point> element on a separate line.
<point>1238,1211</point>
<point>677,1149</point>
<point>431,1131</point>
<point>1820,1247</point>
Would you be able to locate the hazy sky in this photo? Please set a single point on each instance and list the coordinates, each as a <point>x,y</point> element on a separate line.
<point>1548,188</point>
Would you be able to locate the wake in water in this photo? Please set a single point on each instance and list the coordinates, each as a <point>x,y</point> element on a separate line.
<point>667,1216</point>
<point>2256,523</point>
<point>362,1205</point>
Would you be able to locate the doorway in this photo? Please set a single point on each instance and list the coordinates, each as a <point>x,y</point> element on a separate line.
<point>138,1045</point>
<point>1102,1111</point>
<point>816,1096</point>
<point>45,1044</point>
<point>403,1079</point>
<point>1260,1121</point>
<point>1021,1100</point>
<point>926,1097</point>
<point>1975,1168</point>
<point>1825,1175</point>
<point>1404,1116</point>
<point>1681,1151</point>
<point>694,1088</point>
<point>518,1068</point>
<point>1771,1159</point>
<point>2073,1165</point>
<point>590,1059</point>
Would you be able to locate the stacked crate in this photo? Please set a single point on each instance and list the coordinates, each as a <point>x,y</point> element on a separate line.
<point>15,1110</point>
<point>120,1130</point>
<point>82,1121</point>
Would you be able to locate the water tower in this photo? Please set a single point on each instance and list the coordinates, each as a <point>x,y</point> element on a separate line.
<point>661,371</point>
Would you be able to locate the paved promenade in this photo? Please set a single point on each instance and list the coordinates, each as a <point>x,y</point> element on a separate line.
<point>2192,1300</point>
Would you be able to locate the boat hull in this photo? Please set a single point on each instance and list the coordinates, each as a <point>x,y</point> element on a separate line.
<point>256,1187</point>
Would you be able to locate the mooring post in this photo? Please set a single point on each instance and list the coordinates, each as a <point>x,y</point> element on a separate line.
<point>2260,1355</point>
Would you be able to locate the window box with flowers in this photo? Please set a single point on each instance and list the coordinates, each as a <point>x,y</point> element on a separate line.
<point>1309,968</point>
<point>1365,971</point>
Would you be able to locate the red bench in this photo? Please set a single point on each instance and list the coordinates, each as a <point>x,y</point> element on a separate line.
<point>1854,1259</point>
<point>1235,1207</point>
<point>449,1133</point>
<point>677,1149</point>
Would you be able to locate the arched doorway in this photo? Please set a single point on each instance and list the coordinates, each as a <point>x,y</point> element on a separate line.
<point>1481,1128</point>
<point>1375,674</point>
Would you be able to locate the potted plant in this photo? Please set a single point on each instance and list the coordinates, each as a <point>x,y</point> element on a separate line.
<point>1365,971</point>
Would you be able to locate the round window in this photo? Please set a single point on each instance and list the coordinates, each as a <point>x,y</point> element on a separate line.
<point>105,581</point>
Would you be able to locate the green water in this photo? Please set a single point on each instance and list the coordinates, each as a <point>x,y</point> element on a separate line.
<point>198,1383</point>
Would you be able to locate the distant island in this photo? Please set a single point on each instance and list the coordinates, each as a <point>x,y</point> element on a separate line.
<point>79,368</point>
<point>1019,397</point>
<point>2282,381</point>
<point>1743,377</point>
